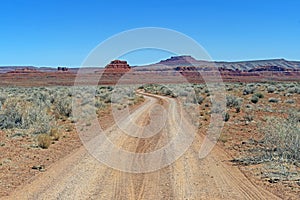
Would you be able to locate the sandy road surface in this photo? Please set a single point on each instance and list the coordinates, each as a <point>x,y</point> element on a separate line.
<point>81,176</point>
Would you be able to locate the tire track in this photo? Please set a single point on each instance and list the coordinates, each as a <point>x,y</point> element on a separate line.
<point>80,176</point>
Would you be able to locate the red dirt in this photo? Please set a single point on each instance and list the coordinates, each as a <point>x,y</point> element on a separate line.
<point>29,78</point>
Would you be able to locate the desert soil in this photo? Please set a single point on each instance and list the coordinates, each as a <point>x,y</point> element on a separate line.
<point>81,176</point>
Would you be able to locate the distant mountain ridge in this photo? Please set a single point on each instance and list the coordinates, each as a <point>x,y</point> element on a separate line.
<point>177,61</point>
<point>188,61</point>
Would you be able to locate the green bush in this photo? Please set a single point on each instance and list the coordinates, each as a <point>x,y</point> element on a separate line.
<point>248,117</point>
<point>200,99</point>
<point>226,116</point>
<point>248,90</point>
<point>232,101</point>
<point>259,95</point>
<point>254,99</point>
<point>273,100</point>
<point>271,89</point>
<point>290,101</point>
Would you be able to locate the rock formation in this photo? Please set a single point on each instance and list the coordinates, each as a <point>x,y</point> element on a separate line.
<point>64,69</point>
<point>117,66</point>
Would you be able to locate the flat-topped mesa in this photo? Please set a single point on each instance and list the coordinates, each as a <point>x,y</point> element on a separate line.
<point>24,70</point>
<point>117,66</point>
<point>179,60</point>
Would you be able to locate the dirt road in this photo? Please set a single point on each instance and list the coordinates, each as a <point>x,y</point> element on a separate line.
<point>81,176</point>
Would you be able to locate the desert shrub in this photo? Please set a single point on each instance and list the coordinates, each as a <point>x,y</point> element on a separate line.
<point>55,134</point>
<point>138,99</point>
<point>37,119</point>
<point>44,141</point>
<point>99,104</point>
<point>290,101</point>
<point>63,106</point>
<point>273,100</point>
<point>280,89</point>
<point>248,90</point>
<point>282,138</point>
<point>183,93</point>
<point>259,95</point>
<point>199,99</point>
<point>40,96</point>
<point>2,99</point>
<point>238,109</point>
<point>288,94</point>
<point>217,107</point>
<point>12,115</point>
<point>293,90</point>
<point>166,91</point>
<point>254,99</point>
<point>271,89</point>
<point>226,116</point>
<point>25,115</point>
<point>107,99</point>
<point>232,101</point>
<point>248,117</point>
<point>228,88</point>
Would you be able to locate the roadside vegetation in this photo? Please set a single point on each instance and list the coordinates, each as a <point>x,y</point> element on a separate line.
<point>261,131</point>
<point>37,125</point>
<point>45,113</point>
<point>262,124</point>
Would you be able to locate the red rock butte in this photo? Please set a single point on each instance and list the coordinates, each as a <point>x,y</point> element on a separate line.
<point>117,66</point>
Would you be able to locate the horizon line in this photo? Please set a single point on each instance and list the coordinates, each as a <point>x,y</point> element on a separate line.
<point>145,64</point>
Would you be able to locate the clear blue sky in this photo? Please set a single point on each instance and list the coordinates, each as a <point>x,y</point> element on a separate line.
<point>61,32</point>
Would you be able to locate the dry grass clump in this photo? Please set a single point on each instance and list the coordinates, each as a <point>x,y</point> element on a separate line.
<point>55,134</point>
<point>44,141</point>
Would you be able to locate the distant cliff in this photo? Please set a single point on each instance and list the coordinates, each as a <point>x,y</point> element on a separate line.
<point>185,61</point>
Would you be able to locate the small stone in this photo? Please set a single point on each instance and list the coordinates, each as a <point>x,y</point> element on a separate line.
<point>42,170</point>
<point>273,180</point>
